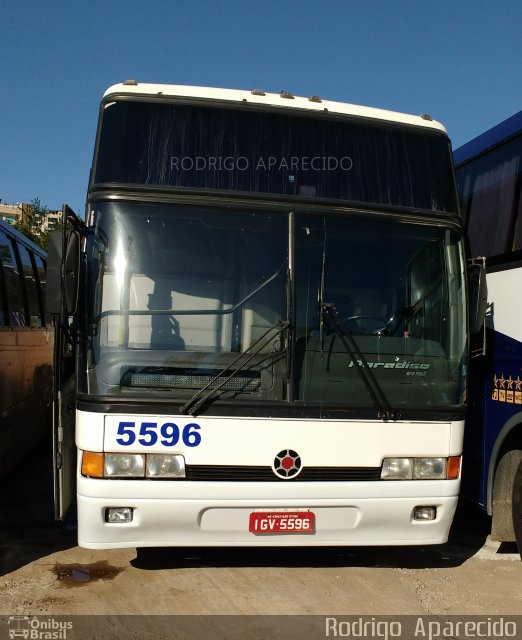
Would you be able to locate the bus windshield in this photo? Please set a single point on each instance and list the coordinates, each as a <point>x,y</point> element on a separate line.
<point>193,147</point>
<point>179,292</point>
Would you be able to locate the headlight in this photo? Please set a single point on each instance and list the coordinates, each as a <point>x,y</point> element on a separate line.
<point>429,468</point>
<point>397,469</point>
<point>133,465</point>
<point>124,465</point>
<point>165,466</point>
<point>420,468</point>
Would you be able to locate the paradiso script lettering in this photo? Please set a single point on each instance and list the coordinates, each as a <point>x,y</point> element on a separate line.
<point>405,364</point>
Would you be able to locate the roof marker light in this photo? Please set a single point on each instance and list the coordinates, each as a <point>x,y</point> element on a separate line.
<point>287,94</point>
<point>130,82</point>
<point>258,92</point>
<point>426,116</point>
<point>314,99</point>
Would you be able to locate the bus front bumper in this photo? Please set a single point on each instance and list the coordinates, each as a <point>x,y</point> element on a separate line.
<point>170,514</point>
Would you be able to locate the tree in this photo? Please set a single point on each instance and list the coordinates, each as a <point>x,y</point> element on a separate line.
<point>33,223</point>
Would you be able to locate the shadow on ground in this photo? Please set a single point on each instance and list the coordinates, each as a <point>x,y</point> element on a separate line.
<point>27,528</point>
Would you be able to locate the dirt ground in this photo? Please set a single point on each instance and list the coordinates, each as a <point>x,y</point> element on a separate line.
<point>43,572</point>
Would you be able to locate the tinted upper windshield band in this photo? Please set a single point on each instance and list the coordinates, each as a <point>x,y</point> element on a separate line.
<point>263,152</point>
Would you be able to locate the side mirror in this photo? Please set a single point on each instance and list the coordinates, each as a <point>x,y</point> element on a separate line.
<point>72,271</point>
<point>63,272</point>
<point>478,296</point>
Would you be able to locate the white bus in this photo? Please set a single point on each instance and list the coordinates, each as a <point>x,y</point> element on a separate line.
<point>268,313</point>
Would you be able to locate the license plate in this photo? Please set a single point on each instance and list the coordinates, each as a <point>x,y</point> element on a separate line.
<point>278,522</point>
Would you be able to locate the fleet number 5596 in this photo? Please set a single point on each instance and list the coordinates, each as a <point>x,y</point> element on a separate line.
<point>167,434</point>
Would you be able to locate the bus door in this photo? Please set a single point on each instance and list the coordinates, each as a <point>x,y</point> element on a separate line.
<point>63,270</point>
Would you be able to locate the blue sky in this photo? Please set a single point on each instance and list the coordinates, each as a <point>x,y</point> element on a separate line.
<point>458,60</point>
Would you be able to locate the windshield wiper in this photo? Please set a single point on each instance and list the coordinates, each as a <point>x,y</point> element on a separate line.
<point>200,398</point>
<point>384,409</point>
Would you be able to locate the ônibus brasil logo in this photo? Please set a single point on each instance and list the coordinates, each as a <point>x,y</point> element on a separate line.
<point>38,628</point>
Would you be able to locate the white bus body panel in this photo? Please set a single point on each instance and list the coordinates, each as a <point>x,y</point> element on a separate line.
<point>240,96</point>
<point>204,513</point>
<point>505,302</point>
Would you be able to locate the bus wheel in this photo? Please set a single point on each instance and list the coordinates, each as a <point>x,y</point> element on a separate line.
<point>503,487</point>
<point>517,508</point>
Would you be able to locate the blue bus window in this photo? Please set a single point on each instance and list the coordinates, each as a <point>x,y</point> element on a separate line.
<point>13,282</point>
<point>35,314</point>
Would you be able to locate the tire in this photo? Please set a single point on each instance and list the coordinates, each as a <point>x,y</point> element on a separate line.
<point>503,492</point>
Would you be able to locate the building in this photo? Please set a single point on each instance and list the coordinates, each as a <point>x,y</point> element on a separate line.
<point>13,212</point>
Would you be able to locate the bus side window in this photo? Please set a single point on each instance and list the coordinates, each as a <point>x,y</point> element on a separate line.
<point>42,284</point>
<point>518,224</point>
<point>13,282</point>
<point>491,201</point>
<point>35,314</point>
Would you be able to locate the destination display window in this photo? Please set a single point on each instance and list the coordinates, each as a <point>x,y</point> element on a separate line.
<point>295,154</point>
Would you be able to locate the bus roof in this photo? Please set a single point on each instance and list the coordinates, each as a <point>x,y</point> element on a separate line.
<point>282,99</point>
<point>490,138</point>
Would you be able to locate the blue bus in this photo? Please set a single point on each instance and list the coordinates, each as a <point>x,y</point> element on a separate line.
<point>489,180</point>
<point>26,347</point>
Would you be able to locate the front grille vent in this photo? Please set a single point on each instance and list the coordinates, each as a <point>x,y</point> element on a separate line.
<point>189,379</point>
<point>230,473</point>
